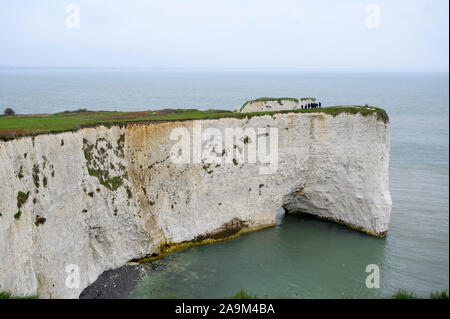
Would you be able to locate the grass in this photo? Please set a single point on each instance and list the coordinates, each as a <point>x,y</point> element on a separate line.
<point>30,125</point>
<point>242,294</point>
<point>439,295</point>
<point>404,295</point>
<point>7,295</point>
<point>409,295</point>
<point>401,294</point>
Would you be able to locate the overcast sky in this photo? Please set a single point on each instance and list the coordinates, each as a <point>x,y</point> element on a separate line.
<point>401,35</point>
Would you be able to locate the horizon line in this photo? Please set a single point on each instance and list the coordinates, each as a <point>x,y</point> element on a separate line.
<point>327,70</point>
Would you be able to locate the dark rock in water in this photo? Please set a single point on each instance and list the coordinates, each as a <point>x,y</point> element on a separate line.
<point>114,284</point>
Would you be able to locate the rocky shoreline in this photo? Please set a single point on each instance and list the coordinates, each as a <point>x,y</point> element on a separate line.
<point>115,284</point>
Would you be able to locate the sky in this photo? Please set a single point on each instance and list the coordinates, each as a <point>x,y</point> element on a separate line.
<point>353,35</point>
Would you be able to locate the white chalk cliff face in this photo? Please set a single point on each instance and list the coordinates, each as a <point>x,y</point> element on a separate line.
<point>275,105</point>
<point>271,105</point>
<point>100,197</point>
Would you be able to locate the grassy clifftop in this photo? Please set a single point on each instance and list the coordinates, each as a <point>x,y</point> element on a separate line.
<point>30,125</point>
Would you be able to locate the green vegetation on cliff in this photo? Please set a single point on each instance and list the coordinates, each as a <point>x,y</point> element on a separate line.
<point>242,294</point>
<point>6,295</point>
<point>409,295</point>
<point>30,125</point>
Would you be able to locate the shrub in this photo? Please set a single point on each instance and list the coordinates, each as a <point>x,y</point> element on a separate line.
<point>22,198</point>
<point>242,294</point>
<point>401,294</point>
<point>17,215</point>
<point>39,220</point>
<point>439,295</point>
<point>9,112</point>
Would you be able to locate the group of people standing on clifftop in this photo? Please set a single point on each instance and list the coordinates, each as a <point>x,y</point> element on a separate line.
<point>311,106</point>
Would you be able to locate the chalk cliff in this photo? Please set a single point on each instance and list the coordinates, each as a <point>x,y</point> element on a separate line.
<point>99,197</point>
<point>270,104</point>
<point>275,104</point>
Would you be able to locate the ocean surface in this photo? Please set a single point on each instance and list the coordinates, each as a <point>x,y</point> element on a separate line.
<point>301,257</point>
